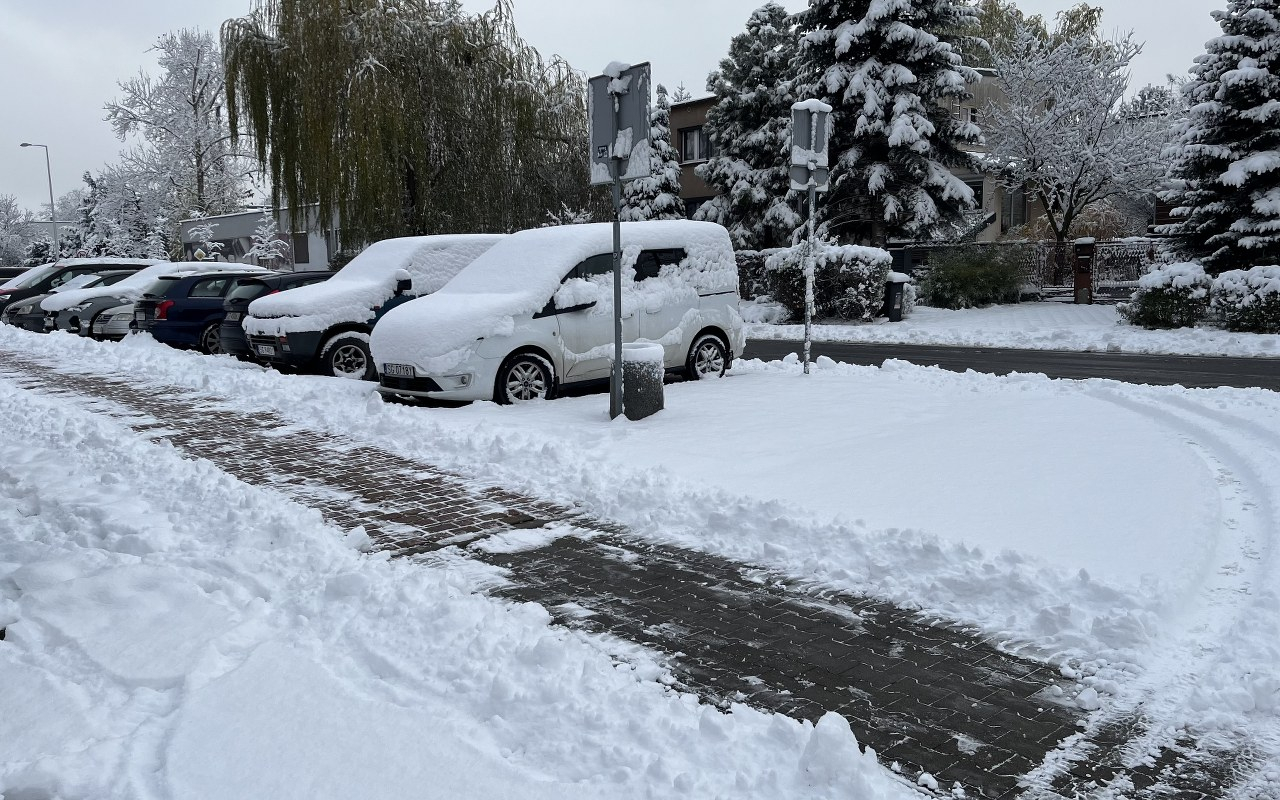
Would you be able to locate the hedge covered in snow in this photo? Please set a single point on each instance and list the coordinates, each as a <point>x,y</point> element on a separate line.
<point>848,280</point>
<point>1248,300</point>
<point>1169,296</point>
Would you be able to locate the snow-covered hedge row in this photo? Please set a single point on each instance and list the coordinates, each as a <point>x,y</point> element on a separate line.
<point>1182,295</point>
<point>974,276</point>
<point>1169,296</point>
<point>848,280</point>
<point>1248,300</point>
<point>753,275</point>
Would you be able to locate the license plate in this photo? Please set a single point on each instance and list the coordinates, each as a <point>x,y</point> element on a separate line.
<point>266,350</point>
<point>398,370</point>
<point>140,316</point>
<point>233,316</point>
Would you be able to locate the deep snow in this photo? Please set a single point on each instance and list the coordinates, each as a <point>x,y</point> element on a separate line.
<point>1123,531</point>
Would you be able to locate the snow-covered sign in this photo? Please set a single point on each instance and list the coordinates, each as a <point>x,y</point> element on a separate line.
<point>810,130</point>
<point>618,107</point>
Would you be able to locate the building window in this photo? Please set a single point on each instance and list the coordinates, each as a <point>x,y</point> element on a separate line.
<point>694,145</point>
<point>1013,211</point>
<point>301,248</point>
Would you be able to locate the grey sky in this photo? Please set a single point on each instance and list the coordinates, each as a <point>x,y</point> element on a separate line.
<point>60,59</point>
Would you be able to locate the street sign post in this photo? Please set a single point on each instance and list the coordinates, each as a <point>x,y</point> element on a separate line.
<point>618,109</point>
<point>810,132</point>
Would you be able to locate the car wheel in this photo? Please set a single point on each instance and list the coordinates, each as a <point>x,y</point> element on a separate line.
<point>347,356</point>
<point>211,339</point>
<point>709,357</point>
<point>524,377</point>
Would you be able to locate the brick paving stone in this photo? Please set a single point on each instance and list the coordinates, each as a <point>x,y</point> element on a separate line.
<point>925,694</point>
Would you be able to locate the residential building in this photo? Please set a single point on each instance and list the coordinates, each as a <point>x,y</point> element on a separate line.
<point>310,248</point>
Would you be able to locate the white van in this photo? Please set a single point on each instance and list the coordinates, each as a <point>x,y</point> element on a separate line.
<point>535,312</point>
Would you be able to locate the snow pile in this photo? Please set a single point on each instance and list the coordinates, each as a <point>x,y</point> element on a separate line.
<point>171,632</point>
<point>523,272</point>
<point>368,281</point>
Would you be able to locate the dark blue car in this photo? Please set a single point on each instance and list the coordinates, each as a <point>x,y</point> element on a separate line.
<point>186,310</point>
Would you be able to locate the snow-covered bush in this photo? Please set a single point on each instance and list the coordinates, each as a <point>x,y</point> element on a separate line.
<point>1169,296</point>
<point>848,280</point>
<point>1248,300</point>
<point>909,298</point>
<point>753,274</point>
<point>972,276</point>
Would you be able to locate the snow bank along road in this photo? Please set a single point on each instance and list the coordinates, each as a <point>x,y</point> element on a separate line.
<point>1162,370</point>
<point>937,701</point>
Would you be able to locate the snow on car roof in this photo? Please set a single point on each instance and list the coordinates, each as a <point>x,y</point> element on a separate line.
<point>109,261</point>
<point>367,282</point>
<point>132,287</point>
<point>17,281</point>
<point>521,273</point>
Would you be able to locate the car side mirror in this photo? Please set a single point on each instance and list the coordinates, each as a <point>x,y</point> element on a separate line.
<point>404,285</point>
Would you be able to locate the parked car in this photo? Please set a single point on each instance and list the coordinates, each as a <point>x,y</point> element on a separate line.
<point>535,313</point>
<point>46,277</point>
<point>326,326</point>
<point>28,314</point>
<point>113,324</point>
<point>246,290</point>
<point>185,310</point>
<point>9,273</point>
<point>74,310</point>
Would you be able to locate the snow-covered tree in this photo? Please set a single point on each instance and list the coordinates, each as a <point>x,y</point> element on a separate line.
<point>682,94</point>
<point>202,235</point>
<point>184,149</point>
<point>750,131</point>
<point>16,231</point>
<point>658,195</point>
<point>1062,132</point>
<point>1227,154</point>
<point>267,247</point>
<point>890,73</point>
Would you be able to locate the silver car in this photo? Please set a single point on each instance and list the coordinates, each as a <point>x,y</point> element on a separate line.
<point>112,324</point>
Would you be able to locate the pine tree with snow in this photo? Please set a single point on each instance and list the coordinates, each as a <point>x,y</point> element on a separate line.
<point>891,74</point>
<point>750,132</point>
<point>267,247</point>
<point>658,195</point>
<point>682,94</point>
<point>1227,157</point>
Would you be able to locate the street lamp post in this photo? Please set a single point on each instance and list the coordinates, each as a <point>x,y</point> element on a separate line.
<point>53,212</point>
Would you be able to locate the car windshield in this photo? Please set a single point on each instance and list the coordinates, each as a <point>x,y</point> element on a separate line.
<point>31,277</point>
<point>112,278</point>
<point>248,290</point>
<point>159,287</point>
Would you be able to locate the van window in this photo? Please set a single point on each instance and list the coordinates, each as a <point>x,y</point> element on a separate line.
<point>595,265</point>
<point>651,262</point>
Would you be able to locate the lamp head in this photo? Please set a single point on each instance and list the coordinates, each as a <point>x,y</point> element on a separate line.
<point>25,144</point>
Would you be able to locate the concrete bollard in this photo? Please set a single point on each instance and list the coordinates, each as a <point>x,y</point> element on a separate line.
<point>642,371</point>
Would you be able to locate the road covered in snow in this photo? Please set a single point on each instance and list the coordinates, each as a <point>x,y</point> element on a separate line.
<point>172,631</point>
<point>1028,326</point>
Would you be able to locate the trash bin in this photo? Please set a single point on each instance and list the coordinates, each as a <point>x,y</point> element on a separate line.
<point>893,291</point>
<point>642,372</point>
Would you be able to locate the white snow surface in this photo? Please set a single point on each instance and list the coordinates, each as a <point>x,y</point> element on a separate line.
<point>1125,532</point>
<point>1030,326</point>
<point>520,274</point>
<point>368,281</point>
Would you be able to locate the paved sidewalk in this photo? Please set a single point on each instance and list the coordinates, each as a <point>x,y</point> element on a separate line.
<point>928,696</point>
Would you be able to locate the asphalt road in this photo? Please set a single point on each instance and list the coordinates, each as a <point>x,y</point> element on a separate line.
<point>1189,371</point>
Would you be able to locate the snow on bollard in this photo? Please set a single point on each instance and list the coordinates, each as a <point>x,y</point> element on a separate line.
<point>642,371</point>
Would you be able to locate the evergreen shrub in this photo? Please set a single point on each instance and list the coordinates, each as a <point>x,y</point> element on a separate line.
<point>972,276</point>
<point>848,280</point>
<point>1169,296</point>
<point>1248,301</point>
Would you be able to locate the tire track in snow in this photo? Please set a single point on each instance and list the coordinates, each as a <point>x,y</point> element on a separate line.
<point>1202,643</point>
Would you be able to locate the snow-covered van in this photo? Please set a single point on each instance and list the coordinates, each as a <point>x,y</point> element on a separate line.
<point>536,312</point>
<point>327,325</point>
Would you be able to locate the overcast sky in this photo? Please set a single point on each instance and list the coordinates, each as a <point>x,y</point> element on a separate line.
<point>60,59</point>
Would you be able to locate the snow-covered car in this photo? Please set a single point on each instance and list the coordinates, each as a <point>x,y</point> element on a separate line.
<point>46,277</point>
<point>74,311</point>
<point>327,325</point>
<point>28,314</point>
<point>113,324</point>
<point>536,312</point>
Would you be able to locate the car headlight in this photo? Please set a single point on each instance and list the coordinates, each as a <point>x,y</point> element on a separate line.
<point>22,309</point>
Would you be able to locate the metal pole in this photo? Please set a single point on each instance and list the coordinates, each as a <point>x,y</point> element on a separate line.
<point>53,211</point>
<point>809,260</point>
<point>615,377</point>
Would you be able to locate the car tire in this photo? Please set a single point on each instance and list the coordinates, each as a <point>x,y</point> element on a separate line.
<point>347,356</point>
<point>211,339</point>
<point>524,377</point>
<point>708,357</point>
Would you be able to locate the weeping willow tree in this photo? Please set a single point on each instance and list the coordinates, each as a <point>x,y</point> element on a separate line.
<point>407,116</point>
